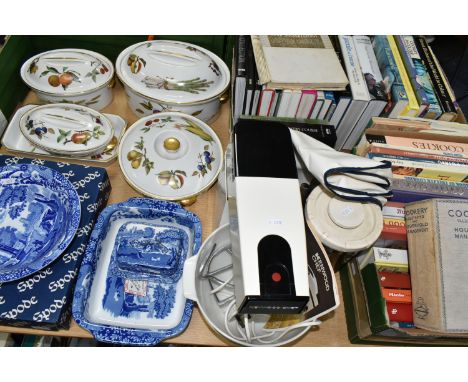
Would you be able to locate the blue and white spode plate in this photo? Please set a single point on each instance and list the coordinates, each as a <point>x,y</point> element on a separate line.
<point>134,308</point>
<point>40,212</point>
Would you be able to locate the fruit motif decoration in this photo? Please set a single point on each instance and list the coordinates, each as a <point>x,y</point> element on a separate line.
<point>80,137</point>
<point>193,128</point>
<point>99,69</point>
<point>138,156</point>
<point>204,162</point>
<point>174,179</point>
<point>60,78</point>
<point>194,86</point>
<point>156,122</point>
<point>158,108</point>
<point>136,63</point>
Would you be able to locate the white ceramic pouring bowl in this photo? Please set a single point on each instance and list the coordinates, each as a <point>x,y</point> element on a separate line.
<point>198,289</point>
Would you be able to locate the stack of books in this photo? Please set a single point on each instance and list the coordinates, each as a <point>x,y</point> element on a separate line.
<point>287,78</point>
<point>429,158</point>
<point>343,81</point>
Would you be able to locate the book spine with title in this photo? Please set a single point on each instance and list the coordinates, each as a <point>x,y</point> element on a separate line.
<point>413,102</point>
<point>434,110</point>
<point>445,102</point>
<point>400,104</point>
<point>450,149</point>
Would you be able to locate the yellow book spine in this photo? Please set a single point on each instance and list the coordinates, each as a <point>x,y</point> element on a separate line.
<point>412,110</point>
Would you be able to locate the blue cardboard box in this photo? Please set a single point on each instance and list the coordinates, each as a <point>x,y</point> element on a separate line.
<point>43,300</point>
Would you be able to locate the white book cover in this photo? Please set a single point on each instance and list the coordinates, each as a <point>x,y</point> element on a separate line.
<point>284,60</point>
<point>266,100</point>
<point>370,67</point>
<point>351,60</point>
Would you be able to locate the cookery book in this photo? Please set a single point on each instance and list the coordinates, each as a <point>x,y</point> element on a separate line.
<point>437,247</point>
<point>298,62</point>
<point>43,300</point>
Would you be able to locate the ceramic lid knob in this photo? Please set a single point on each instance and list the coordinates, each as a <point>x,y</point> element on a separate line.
<point>171,144</point>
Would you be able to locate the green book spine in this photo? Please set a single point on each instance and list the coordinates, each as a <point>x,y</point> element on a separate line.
<point>376,303</point>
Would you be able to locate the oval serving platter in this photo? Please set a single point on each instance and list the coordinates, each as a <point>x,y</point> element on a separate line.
<point>125,305</point>
<point>67,129</point>
<point>170,156</point>
<point>40,212</point>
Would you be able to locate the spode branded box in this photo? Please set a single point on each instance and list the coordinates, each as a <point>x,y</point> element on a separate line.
<point>43,299</point>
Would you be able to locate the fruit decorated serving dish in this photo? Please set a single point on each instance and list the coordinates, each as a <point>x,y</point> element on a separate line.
<point>162,75</point>
<point>170,156</point>
<point>74,76</point>
<point>67,129</point>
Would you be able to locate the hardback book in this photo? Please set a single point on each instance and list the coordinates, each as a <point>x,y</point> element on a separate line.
<point>408,45</point>
<point>359,94</point>
<point>283,103</point>
<point>402,167</point>
<point>449,112</point>
<point>400,103</point>
<point>318,105</point>
<point>420,127</point>
<point>343,99</point>
<point>271,112</point>
<point>241,73</point>
<point>418,87</point>
<point>414,97</point>
<point>306,103</point>
<point>428,146</point>
<point>332,108</point>
<point>460,117</point>
<point>394,210</point>
<point>293,103</point>
<point>249,79</point>
<point>328,99</point>
<point>257,90</point>
<point>298,61</point>
<point>317,129</point>
<point>264,103</point>
<point>409,190</point>
<point>375,86</point>
<point>418,156</point>
<point>437,247</point>
<point>277,102</point>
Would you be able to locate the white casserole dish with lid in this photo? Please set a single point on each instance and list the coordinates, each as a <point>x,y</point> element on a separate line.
<point>163,75</point>
<point>70,75</point>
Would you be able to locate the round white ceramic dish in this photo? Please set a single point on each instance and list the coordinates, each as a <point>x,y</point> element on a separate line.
<point>340,224</point>
<point>170,156</point>
<point>199,289</point>
<point>74,76</point>
<point>67,129</point>
<point>164,75</point>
